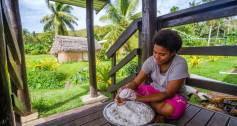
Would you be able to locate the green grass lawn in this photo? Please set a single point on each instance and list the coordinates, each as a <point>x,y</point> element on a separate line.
<point>213,69</point>
<point>71,68</point>
<point>51,101</point>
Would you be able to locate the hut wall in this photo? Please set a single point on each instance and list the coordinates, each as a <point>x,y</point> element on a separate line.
<point>69,56</point>
<point>85,56</point>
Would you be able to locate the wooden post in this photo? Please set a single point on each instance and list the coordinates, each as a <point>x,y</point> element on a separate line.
<point>140,45</point>
<point>149,26</point>
<point>114,75</point>
<point>7,117</point>
<point>91,47</point>
<point>16,22</point>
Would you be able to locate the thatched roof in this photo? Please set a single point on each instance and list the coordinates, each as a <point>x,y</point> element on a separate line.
<point>70,43</point>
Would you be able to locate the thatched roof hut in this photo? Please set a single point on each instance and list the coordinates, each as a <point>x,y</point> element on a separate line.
<point>69,48</point>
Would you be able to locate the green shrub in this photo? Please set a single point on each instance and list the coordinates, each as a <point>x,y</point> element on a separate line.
<point>131,67</point>
<point>38,43</point>
<point>37,48</point>
<point>194,61</point>
<point>80,77</point>
<point>44,79</point>
<point>103,78</point>
<point>49,65</point>
<point>101,55</point>
<point>102,86</point>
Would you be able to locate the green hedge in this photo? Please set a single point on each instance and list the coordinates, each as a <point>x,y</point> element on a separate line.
<point>41,79</point>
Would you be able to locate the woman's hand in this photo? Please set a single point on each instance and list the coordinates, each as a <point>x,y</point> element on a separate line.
<point>119,100</point>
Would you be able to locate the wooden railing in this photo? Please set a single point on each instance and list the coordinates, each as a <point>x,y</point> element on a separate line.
<point>132,28</point>
<point>212,10</point>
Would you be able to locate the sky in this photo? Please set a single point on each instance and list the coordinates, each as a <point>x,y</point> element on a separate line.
<point>32,12</point>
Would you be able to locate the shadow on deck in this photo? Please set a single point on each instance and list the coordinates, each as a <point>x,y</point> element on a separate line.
<point>92,116</point>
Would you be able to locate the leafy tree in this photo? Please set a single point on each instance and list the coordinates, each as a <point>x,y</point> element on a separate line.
<point>60,19</point>
<point>174,9</point>
<point>121,14</point>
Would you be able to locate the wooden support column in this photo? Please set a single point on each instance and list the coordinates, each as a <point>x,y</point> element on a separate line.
<point>7,117</point>
<point>149,25</point>
<point>140,45</point>
<point>114,75</point>
<point>16,23</point>
<point>91,47</point>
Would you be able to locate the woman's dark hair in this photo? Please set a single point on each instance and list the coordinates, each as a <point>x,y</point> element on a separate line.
<point>168,39</point>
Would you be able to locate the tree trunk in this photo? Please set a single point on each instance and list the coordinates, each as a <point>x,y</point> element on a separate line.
<point>209,36</point>
<point>217,33</point>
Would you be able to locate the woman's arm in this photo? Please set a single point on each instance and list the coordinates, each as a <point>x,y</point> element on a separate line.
<point>132,85</point>
<point>172,88</point>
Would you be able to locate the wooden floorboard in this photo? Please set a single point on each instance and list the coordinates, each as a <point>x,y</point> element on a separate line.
<point>75,116</point>
<point>87,119</point>
<point>193,116</point>
<point>232,121</point>
<point>84,120</point>
<point>190,112</point>
<point>201,118</point>
<point>97,122</point>
<point>107,124</point>
<point>219,119</point>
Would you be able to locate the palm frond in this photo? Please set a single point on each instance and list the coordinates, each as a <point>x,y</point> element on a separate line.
<point>114,14</point>
<point>66,8</point>
<point>46,18</point>
<point>58,6</point>
<point>69,23</point>
<point>67,15</point>
<point>51,7</point>
<point>104,18</point>
<point>136,16</point>
<point>131,8</point>
<point>123,6</point>
<point>48,27</point>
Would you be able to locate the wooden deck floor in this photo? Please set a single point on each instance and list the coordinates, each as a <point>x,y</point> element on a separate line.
<point>194,116</point>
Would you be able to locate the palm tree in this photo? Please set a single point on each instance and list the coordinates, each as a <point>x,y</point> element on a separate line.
<point>120,15</point>
<point>59,19</point>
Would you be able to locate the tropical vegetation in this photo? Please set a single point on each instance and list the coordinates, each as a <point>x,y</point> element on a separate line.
<point>120,15</point>
<point>60,19</point>
<point>57,87</point>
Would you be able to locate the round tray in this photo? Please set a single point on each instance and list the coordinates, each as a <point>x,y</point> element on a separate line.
<point>108,119</point>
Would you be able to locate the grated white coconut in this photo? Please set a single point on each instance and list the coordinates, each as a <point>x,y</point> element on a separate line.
<point>127,94</point>
<point>130,114</point>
